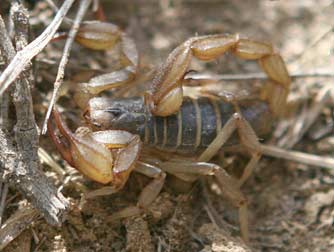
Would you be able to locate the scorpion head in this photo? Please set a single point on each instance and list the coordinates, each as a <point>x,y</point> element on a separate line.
<point>117,113</point>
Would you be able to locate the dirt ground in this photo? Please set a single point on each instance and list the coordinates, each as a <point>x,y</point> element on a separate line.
<point>291,206</point>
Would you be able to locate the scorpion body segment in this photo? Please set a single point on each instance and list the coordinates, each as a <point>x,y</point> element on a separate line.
<point>192,128</point>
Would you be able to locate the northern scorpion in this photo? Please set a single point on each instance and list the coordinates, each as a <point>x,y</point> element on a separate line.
<point>167,120</point>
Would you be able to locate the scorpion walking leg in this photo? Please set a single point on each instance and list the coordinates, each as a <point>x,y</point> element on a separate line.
<point>104,191</point>
<point>152,190</point>
<point>228,185</point>
<point>148,194</point>
<point>173,168</point>
<point>248,138</point>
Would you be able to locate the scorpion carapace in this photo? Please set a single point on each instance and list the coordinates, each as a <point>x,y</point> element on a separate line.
<point>166,119</point>
<point>192,128</point>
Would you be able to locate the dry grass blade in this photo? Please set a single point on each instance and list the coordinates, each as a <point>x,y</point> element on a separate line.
<point>260,76</point>
<point>23,57</point>
<point>312,45</point>
<point>303,122</point>
<point>16,224</point>
<point>3,196</point>
<point>296,156</point>
<point>84,4</point>
<point>47,159</point>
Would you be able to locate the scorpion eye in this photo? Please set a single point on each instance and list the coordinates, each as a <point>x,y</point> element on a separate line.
<point>115,112</point>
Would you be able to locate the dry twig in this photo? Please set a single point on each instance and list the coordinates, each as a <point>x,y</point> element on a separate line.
<point>84,4</point>
<point>303,122</point>
<point>296,156</point>
<point>47,159</point>
<point>22,58</point>
<point>3,196</point>
<point>16,224</point>
<point>312,45</point>
<point>258,76</point>
<point>20,164</point>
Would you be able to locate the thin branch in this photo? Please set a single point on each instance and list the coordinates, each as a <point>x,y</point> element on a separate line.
<point>4,109</point>
<point>20,166</point>
<point>304,121</point>
<point>26,135</point>
<point>23,57</point>
<point>296,156</point>
<point>312,45</point>
<point>84,4</point>
<point>67,21</point>
<point>3,196</point>
<point>16,224</point>
<point>5,45</point>
<point>47,159</point>
<point>253,76</point>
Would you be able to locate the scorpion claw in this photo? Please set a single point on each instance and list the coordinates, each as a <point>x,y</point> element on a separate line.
<point>125,160</point>
<point>103,36</point>
<point>98,35</point>
<point>91,154</point>
<point>60,144</point>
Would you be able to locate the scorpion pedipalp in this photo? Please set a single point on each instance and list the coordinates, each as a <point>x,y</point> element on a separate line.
<point>98,35</point>
<point>104,36</point>
<point>105,156</point>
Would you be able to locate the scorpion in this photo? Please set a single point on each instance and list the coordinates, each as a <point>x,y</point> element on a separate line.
<point>166,119</point>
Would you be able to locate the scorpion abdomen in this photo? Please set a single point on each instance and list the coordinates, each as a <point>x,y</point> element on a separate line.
<point>199,121</point>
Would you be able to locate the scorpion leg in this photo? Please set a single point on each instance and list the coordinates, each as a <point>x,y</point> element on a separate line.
<point>166,95</point>
<point>103,36</point>
<point>148,194</point>
<point>248,139</point>
<point>227,184</point>
<point>152,190</point>
<point>104,191</point>
<point>170,168</point>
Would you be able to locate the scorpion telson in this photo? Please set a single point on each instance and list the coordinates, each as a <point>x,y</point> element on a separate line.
<point>167,120</point>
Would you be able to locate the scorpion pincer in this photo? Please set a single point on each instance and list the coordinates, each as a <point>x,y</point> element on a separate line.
<point>163,118</point>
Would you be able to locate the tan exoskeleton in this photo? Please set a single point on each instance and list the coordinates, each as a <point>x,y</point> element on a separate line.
<point>165,119</point>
